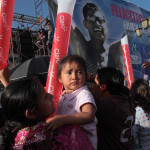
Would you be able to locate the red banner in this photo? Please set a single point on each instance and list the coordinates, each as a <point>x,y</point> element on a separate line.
<point>59,50</point>
<point>60,46</point>
<point>6,17</point>
<point>127,61</point>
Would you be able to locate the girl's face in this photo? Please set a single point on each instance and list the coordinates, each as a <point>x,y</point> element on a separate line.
<point>45,103</point>
<point>72,76</point>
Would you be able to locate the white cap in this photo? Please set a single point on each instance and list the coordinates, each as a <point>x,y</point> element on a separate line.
<point>66,6</point>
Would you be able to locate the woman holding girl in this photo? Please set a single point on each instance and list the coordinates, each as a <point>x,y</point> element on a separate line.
<point>26,105</point>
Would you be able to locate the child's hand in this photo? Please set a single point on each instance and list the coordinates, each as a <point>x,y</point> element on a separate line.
<point>4,76</point>
<point>54,122</point>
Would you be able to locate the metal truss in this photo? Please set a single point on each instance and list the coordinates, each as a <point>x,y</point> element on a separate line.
<point>24,18</point>
<point>38,8</point>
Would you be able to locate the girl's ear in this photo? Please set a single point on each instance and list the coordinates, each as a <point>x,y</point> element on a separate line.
<point>30,115</point>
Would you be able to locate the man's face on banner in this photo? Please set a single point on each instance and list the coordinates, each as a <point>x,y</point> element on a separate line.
<point>94,22</point>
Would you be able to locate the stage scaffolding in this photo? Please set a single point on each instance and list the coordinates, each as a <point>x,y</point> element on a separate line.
<point>38,5</point>
<point>28,36</point>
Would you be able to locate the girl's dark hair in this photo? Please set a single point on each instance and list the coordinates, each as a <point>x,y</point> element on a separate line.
<point>114,79</point>
<point>69,59</point>
<point>17,97</point>
<point>140,94</point>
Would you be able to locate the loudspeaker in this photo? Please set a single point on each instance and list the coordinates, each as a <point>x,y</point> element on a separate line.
<point>27,48</point>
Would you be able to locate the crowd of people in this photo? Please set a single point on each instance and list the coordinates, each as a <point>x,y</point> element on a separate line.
<point>94,112</point>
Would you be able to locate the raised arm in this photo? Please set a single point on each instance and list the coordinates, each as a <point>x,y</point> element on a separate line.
<point>4,76</point>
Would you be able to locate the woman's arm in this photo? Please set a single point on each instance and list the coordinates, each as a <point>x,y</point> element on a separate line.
<point>86,115</point>
<point>4,76</point>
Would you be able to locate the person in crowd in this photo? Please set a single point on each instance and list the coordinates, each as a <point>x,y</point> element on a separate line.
<point>115,112</point>
<point>26,105</point>
<point>4,76</point>
<point>39,39</point>
<point>47,23</point>
<point>140,95</point>
<point>76,105</point>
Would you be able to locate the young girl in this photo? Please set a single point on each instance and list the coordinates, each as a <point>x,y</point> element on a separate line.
<point>76,105</point>
<point>140,94</point>
<point>26,104</point>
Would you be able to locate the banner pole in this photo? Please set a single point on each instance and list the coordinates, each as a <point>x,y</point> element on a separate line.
<point>127,60</point>
<point>60,46</point>
<point>6,17</point>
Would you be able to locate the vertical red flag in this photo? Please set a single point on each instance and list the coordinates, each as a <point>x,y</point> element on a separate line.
<point>60,46</point>
<point>6,17</point>
<point>127,60</point>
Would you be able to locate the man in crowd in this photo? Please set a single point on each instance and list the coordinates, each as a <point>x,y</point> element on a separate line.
<point>115,112</point>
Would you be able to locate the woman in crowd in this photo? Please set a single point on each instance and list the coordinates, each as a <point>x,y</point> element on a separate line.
<point>140,94</point>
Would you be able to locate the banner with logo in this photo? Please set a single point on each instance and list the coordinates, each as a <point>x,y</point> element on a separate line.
<point>97,29</point>
<point>127,60</point>
<point>60,46</point>
<point>6,17</point>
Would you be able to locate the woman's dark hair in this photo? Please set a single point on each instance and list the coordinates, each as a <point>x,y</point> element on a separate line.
<point>114,80</point>
<point>17,97</point>
<point>69,59</point>
<point>140,94</point>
